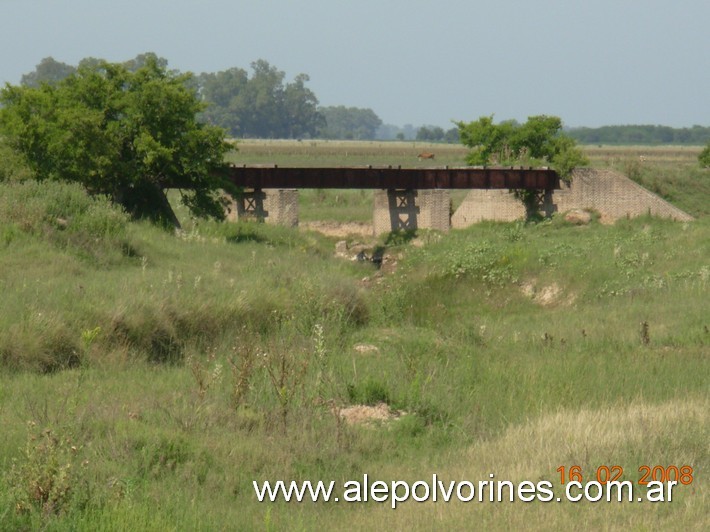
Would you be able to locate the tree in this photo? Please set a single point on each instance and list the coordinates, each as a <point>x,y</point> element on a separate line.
<point>539,141</point>
<point>129,135</point>
<point>301,109</point>
<point>486,140</point>
<point>452,135</point>
<point>12,164</point>
<point>48,71</point>
<point>224,105</point>
<point>350,123</point>
<point>263,100</point>
<point>142,60</point>
<point>261,106</point>
<point>431,134</point>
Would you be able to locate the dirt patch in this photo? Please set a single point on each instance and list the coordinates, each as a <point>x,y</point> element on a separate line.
<point>339,229</point>
<point>367,415</point>
<point>547,295</point>
<point>365,349</point>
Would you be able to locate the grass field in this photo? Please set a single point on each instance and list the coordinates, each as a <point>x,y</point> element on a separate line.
<point>147,379</point>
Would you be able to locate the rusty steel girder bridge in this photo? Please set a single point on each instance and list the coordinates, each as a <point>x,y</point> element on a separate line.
<point>404,198</point>
<point>392,178</point>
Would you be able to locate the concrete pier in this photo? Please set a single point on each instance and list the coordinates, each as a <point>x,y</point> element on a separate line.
<point>396,210</point>
<point>273,206</point>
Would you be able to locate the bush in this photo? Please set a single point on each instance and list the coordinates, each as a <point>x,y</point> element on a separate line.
<point>45,479</point>
<point>704,157</point>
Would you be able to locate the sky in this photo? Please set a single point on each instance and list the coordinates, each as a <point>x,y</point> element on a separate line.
<point>420,62</point>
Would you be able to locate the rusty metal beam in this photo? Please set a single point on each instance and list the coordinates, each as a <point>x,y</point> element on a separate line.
<point>260,177</point>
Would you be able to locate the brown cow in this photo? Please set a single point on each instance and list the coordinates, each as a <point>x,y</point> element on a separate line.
<point>425,155</point>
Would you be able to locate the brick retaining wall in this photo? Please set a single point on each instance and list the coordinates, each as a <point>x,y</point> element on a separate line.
<point>610,193</point>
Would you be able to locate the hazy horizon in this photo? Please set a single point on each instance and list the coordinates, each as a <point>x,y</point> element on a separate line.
<point>417,62</point>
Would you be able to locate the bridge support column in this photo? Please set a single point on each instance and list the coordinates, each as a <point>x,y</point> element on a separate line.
<point>411,209</point>
<point>271,205</point>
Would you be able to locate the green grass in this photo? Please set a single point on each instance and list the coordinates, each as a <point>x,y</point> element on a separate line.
<point>169,372</point>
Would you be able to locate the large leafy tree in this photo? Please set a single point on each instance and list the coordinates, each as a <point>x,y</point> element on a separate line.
<point>225,107</point>
<point>127,134</point>
<point>539,141</point>
<point>301,108</point>
<point>262,106</point>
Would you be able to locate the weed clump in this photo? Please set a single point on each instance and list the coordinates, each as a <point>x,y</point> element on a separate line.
<point>67,217</point>
<point>42,343</point>
<point>45,479</point>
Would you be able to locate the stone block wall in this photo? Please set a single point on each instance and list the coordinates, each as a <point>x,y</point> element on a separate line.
<point>614,195</point>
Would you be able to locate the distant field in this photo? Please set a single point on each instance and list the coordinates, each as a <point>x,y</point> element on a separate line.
<point>649,154</point>
<point>345,153</point>
<point>342,152</point>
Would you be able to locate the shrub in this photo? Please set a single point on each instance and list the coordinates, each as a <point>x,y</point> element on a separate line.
<point>45,478</point>
<point>704,157</point>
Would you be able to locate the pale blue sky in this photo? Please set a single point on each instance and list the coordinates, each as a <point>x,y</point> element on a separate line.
<point>591,62</point>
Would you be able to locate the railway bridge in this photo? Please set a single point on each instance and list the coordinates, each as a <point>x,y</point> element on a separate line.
<point>404,198</point>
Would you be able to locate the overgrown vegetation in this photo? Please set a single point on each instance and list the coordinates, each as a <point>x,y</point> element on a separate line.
<point>146,379</point>
<point>704,157</point>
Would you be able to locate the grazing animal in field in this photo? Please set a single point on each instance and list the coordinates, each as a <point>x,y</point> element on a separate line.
<point>425,155</point>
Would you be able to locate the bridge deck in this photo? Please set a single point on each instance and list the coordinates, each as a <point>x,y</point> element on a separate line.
<point>368,177</point>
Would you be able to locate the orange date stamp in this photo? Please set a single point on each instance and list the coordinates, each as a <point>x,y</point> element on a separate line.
<point>605,474</point>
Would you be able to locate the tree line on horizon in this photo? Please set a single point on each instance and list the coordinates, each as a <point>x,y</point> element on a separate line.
<point>260,104</point>
<point>265,105</point>
<point>641,134</point>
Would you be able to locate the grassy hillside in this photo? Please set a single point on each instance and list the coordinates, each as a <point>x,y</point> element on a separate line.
<point>147,379</point>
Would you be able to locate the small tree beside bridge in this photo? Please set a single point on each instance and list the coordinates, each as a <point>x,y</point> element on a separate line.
<point>537,142</point>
